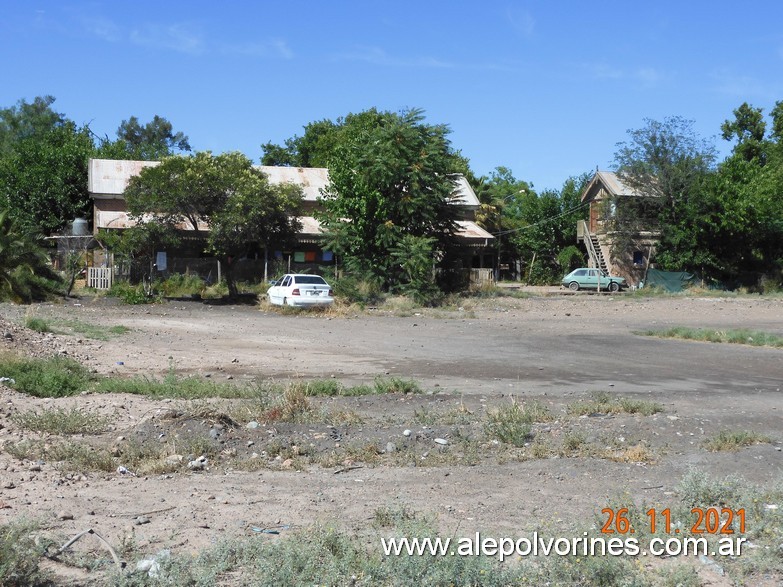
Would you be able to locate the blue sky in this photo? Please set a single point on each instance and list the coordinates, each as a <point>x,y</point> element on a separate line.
<point>546,89</point>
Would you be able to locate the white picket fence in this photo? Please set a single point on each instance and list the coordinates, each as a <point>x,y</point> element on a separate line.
<point>100,277</point>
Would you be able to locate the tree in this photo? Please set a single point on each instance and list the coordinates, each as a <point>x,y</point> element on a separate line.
<point>43,179</point>
<point>499,213</point>
<point>748,127</point>
<point>390,176</point>
<point>148,142</point>
<point>226,193</point>
<point>312,149</point>
<point>667,164</point>
<point>43,166</point>
<point>26,120</point>
<point>25,272</point>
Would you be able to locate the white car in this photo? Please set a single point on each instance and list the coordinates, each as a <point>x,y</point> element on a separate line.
<point>297,289</point>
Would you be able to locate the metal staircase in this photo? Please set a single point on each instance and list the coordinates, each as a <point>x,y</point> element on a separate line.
<point>593,247</point>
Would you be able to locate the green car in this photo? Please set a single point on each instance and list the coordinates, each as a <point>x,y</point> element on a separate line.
<point>585,278</point>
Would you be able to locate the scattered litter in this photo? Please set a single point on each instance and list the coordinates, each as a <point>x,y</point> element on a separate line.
<point>120,362</point>
<point>100,538</point>
<point>141,520</point>
<point>272,530</point>
<point>199,464</point>
<point>441,441</point>
<point>711,564</point>
<point>123,471</point>
<point>771,506</point>
<point>7,380</point>
<point>346,469</point>
<point>151,566</point>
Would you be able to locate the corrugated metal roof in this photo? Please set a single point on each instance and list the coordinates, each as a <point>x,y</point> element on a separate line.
<point>310,179</point>
<point>111,176</point>
<point>464,194</point>
<point>609,181</point>
<point>471,230</point>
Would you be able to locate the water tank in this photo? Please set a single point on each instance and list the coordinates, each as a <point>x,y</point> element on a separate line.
<point>79,227</point>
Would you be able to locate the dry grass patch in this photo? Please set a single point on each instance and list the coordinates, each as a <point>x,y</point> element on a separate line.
<point>62,422</point>
<point>728,440</point>
<point>601,402</point>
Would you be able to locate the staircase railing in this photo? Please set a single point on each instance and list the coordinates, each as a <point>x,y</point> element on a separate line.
<point>595,256</point>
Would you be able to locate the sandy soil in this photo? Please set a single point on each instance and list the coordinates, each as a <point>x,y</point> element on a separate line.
<point>554,349</point>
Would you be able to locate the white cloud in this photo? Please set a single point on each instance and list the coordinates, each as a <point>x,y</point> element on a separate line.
<point>522,21</point>
<point>602,71</point>
<point>648,76</point>
<point>271,48</point>
<point>377,56</point>
<point>180,37</point>
<point>103,28</point>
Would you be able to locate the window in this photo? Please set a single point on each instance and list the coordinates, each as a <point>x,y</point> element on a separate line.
<point>310,279</point>
<point>638,258</point>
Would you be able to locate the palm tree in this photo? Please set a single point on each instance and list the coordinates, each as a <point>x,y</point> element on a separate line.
<point>25,273</point>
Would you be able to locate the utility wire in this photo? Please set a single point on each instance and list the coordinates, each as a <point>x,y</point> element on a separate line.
<point>545,220</point>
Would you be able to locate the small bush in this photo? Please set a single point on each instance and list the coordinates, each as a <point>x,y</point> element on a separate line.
<point>130,294</point>
<point>37,324</point>
<point>20,555</point>
<point>69,456</point>
<point>358,290</point>
<point>727,440</point>
<point>52,377</point>
<point>396,385</point>
<point>61,421</point>
<point>732,336</point>
<point>182,285</point>
<point>174,387</point>
<point>510,424</point>
<point>601,402</point>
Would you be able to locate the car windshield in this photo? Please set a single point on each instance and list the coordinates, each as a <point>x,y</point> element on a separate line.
<point>310,279</point>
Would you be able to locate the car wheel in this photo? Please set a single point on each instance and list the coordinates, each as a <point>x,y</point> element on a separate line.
<point>614,286</point>
<point>573,286</point>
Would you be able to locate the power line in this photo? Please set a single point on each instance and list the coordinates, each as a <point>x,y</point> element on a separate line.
<point>545,220</point>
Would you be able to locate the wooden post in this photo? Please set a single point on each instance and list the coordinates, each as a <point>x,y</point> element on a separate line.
<point>529,271</point>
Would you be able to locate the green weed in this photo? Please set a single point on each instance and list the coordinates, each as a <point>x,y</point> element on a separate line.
<point>601,402</point>
<point>510,424</point>
<point>732,336</point>
<point>47,377</point>
<point>62,421</point>
<point>727,440</point>
<point>20,555</point>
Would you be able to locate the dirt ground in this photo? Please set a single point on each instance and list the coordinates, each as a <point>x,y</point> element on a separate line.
<point>556,349</point>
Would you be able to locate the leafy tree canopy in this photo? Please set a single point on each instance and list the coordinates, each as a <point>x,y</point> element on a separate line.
<point>43,180</point>
<point>225,192</point>
<point>26,120</point>
<point>391,176</point>
<point>145,142</point>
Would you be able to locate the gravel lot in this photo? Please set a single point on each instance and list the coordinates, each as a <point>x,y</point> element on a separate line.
<point>470,361</point>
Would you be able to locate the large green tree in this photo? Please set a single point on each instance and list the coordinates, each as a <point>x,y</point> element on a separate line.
<point>391,177</point>
<point>43,179</point>
<point>224,194</point>
<point>43,166</point>
<point>667,164</point>
<point>146,142</point>
<point>27,119</point>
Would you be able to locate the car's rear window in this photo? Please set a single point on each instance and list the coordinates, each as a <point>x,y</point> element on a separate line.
<point>312,279</point>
